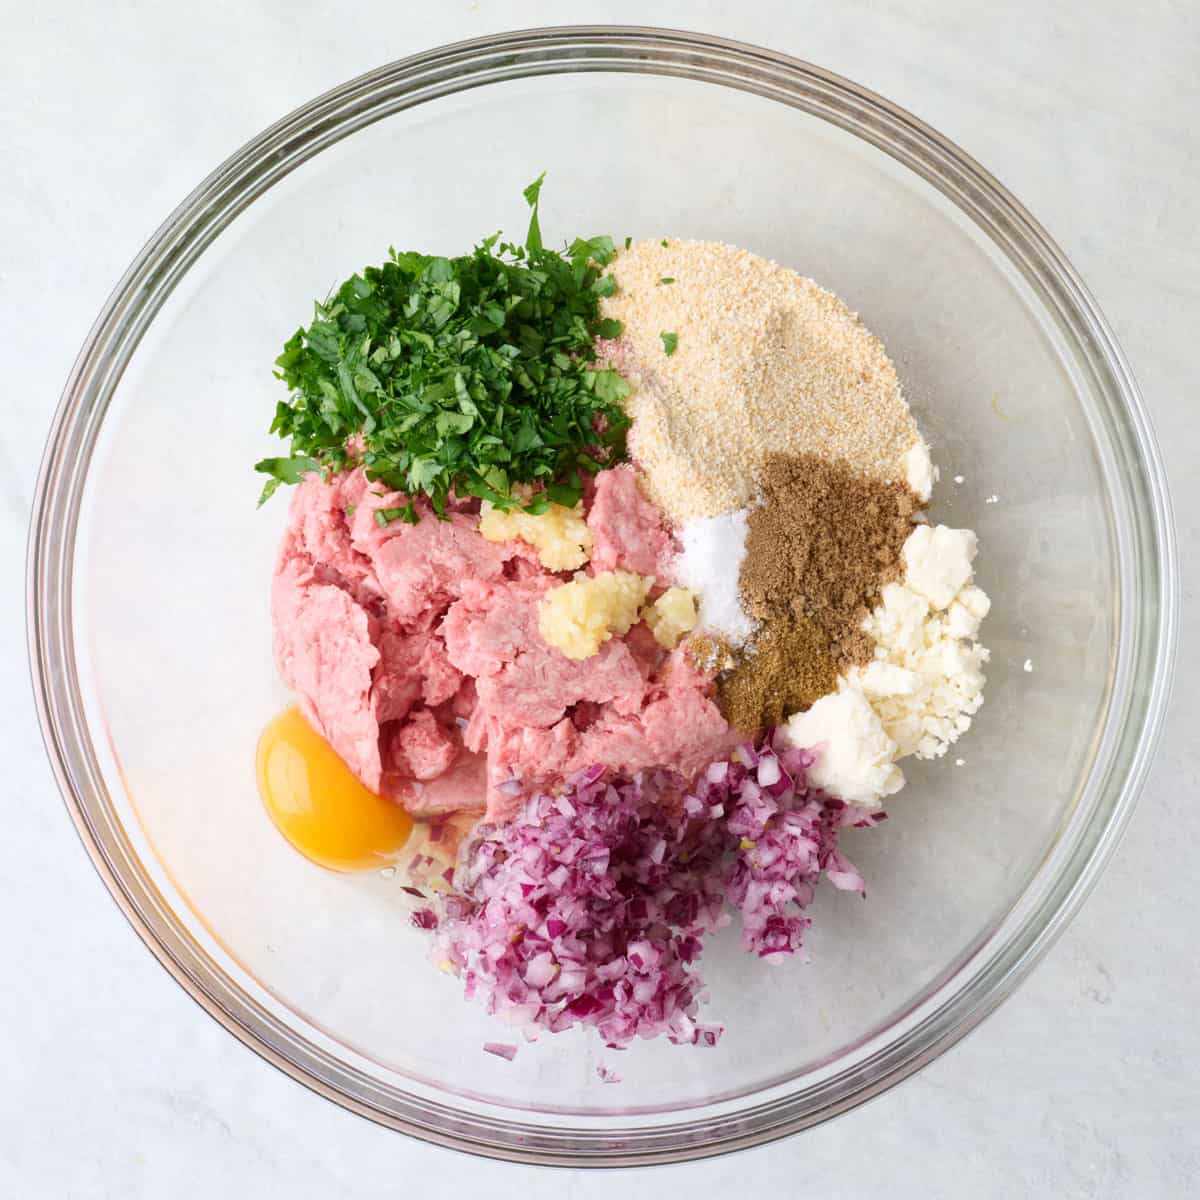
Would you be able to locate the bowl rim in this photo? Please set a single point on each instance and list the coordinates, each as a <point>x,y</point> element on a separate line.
<point>1145,547</point>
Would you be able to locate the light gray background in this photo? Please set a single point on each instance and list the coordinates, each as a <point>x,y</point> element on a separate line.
<point>116,1084</point>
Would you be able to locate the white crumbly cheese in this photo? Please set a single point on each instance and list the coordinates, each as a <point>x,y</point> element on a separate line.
<point>937,562</point>
<point>709,565</point>
<point>855,756</point>
<point>926,680</point>
<point>919,472</point>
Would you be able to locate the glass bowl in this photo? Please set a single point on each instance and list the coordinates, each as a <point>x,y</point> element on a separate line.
<point>149,570</point>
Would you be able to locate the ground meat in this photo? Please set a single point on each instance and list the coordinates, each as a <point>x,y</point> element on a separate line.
<point>421,568</point>
<point>675,725</point>
<point>324,652</point>
<point>628,532</point>
<point>415,650</point>
<point>492,634</point>
<point>421,748</point>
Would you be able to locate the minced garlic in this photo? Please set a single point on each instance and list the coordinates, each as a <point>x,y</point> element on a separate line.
<point>559,535</point>
<point>671,616</point>
<point>578,617</point>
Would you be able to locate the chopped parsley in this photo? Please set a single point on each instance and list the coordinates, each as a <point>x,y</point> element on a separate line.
<point>669,341</point>
<point>471,374</point>
<point>667,279</point>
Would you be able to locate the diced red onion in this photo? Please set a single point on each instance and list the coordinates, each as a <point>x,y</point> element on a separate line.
<point>590,908</point>
<point>505,1050</point>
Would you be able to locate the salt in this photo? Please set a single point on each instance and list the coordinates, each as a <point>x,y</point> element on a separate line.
<point>709,565</point>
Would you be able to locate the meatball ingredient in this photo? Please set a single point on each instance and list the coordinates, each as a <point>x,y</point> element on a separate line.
<point>591,906</point>
<point>823,541</point>
<point>919,472</point>
<point>926,679</point>
<point>709,563</point>
<point>458,375</point>
<point>579,617</point>
<point>937,562</point>
<point>764,360</point>
<point>671,616</point>
<point>853,756</point>
<point>318,804</point>
<point>786,668</point>
<point>629,532</point>
<point>559,534</point>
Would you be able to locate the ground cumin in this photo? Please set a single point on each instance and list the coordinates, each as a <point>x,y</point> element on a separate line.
<point>785,669</point>
<point>820,546</point>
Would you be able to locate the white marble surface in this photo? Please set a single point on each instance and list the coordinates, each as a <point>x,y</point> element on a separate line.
<point>115,1084</point>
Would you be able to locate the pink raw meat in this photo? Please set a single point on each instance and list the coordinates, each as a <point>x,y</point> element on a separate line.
<point>677,726</point>
<point>355,669</point>
<point>415,650</point>
<point>628,532</point>
<point>421,568</point>
<point>492,634</point>
<point>421,748</point>
<point>320,525</point>
<point>324,652</point>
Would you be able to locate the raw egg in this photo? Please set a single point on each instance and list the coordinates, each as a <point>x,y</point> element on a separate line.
<point>318,804</point>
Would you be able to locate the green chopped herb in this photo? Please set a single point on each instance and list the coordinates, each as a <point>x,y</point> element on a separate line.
<point>407,513</point>
<point>667,279</point>
<point>669,341</point>
<point>469,374</point>
<point>533,239</point>
<point>663,242</point>
<point>284,470</point>
<point>628,242</point>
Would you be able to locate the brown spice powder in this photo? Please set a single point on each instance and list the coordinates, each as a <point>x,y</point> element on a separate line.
<point>785,670</point>
<point>821,545</point>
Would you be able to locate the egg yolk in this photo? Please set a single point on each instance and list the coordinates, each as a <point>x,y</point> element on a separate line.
<point>318,804</point>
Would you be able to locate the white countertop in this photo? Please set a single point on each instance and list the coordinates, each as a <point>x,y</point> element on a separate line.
<point>116,1084</point>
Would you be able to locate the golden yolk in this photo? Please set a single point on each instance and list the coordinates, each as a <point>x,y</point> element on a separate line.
<point>318,804</point>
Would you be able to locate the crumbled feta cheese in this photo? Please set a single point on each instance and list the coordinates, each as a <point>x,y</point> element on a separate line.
<point>937,562</point>
<point>926,680</point>
<point>855,756</point>
<point>919,471</point>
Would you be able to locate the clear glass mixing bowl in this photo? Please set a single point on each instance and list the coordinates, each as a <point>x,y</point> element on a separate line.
<point>149,570</point>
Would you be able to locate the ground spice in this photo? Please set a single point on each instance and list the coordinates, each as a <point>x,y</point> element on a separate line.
<point>787,669</point>
<point>821,545</point>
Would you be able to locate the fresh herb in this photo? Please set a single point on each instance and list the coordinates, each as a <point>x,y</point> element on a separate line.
<point>284,470</point>
<point>667,279</point>
<point>471,374</point>
<point>669,341</point>
<point>533,239</point>
<point>628,242</point>
<point>663,242</point>
<point>385,516</point>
